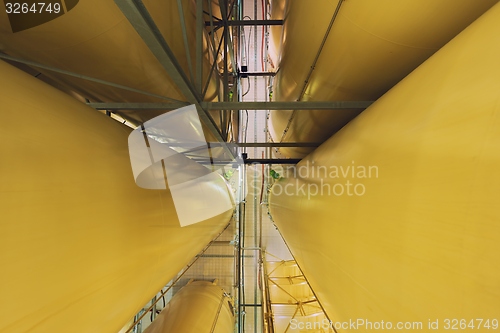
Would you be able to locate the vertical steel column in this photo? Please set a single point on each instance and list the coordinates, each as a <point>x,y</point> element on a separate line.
<point>241,245</point>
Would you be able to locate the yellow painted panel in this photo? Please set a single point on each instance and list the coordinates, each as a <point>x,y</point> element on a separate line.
<point>95,39</point>
<point>278,8</point>
<point>372,45</point>
<point>82,248</point>
<point>416,234</point>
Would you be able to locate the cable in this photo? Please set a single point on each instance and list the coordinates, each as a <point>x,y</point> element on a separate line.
<point>246,41</point>
<point>263,31</point>
<point>246,128</point>
<point>248,89</point>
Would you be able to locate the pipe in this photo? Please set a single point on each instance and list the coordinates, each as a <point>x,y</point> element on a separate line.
<point>421,243</point>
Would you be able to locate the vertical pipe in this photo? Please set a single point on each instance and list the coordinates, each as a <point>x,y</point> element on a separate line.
<point>224,8</point>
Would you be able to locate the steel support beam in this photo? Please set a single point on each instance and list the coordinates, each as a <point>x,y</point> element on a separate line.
<point>333,105</point>
<point>272,160</point>
<point>241,23</point>
<point>80,76</point>
<point>278,144</point>
<point>243,74</point>
<point>226,23</point>
<point>212,69</point>
<point>139,17</point>
<point>228,51</point>
<point>141,20</point>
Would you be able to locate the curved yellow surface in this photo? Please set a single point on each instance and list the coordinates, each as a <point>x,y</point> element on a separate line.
<point>199,307</point>
<point>82,248</point>
<point>372,45</point>
<point>416,234</point>
<point>95,39</point>
<point>278,9</point>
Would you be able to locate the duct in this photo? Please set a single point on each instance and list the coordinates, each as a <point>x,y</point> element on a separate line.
<point>78,237</point>
<point>372,45</point>
<point>109,49</point>
<point>415,237</point>
<point>199,307</point>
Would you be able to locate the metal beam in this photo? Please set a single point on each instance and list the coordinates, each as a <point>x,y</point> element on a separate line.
<point>212,69</point>
<point>272,160</point>
<point>141,20</point>
<point>333,105</point>
<point>241,23</point>
<point>278,144</point>
<point>215,52</point>
<point>83,77</point>
<point>228,51</point>
<point>242,74</point>
<point>139,17</point>
<point>226,22</point>
<point>138,106</point>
